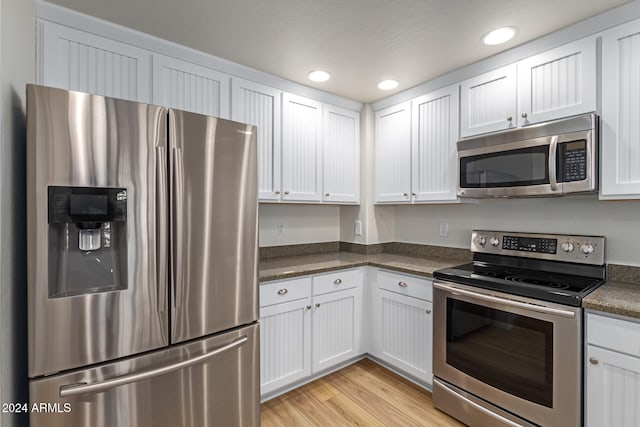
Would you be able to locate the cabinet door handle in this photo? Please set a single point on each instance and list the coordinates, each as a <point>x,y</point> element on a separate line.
<point>414,194</point>
<point>406,194</point>
<point>277,192</point>
<point>327,195</point>
<point>593,361</point>
<point>524,116</point>
<point>286,192</point>
<point>317,305</point>
<point>509,118</point>
<point>402,284</point>
<point>308,307</point>
<point>428,311</point>
<point>337,281</point>
<point>282,291</point>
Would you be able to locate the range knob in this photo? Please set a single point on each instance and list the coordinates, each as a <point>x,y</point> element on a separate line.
<point>482,240</point>
<point>494,241</point>
<point>586,248</point>
<point>567,247</point>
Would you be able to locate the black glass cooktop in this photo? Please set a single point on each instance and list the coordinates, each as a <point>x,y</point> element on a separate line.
<point>561,288</point>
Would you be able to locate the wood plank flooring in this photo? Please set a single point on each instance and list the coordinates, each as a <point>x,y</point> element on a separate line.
<point>362,394</point>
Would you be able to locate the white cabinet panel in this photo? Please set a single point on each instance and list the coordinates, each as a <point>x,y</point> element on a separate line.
<point>434,137</point>
<point>285,344</point>
<point>190,87</point>
<point>75,60</point>
<point>404,333</point>
<point>261,106</point>
<point>336,327</point>
<point>341,146</point>
<point>613,389</point>
<point>488,102</point>
<point>620,162</point>
<point>301,149</point>
<point>393,154</point>
<point>558,83</point>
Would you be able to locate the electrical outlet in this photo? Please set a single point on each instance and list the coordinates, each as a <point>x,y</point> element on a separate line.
<point>357,228</point>
<point>280,229</point>
<point>444,229</point>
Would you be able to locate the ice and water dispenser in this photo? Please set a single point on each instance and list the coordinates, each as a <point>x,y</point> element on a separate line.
<point>87,240</point>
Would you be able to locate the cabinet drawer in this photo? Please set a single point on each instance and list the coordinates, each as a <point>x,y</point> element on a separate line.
<point>283,291</point>
<point>336,281</point>
<point>405,285</point>
<point>614,334</point>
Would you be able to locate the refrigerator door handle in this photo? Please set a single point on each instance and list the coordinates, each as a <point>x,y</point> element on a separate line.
<point>161,226</point>
<point>178,217</point>
<point>84,388</point>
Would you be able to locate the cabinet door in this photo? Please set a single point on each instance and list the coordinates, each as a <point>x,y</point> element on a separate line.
<point>613,389</point>
<point>404,333</point>
<point>336,327</point>
<point>434,137</point>
<point>488,102</point>
<point>301,149</point>
<point>620,111</point>
<point>558,83</point>
<point>260,105</point>
<point>285,344</point>
<point>74,60</point>
<point>190,87</point>
<point>341,160</point>
<point>393,154</point>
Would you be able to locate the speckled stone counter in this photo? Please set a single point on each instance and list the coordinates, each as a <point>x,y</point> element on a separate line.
<point>292,266</point>
<point>615,297</point>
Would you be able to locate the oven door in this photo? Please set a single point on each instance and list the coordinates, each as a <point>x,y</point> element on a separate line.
<point>515,353</point>
<point>522,168</point>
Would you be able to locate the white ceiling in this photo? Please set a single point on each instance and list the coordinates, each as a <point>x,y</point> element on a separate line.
<point>360,42</point>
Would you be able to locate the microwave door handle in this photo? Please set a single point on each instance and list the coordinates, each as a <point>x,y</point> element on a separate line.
<point>83,388</point>
<point>553,150</point>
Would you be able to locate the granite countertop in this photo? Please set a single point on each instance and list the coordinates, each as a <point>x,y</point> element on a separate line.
<point>615,297</point>
<point>292,266</point>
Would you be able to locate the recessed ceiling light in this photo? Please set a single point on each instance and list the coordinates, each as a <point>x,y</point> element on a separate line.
<point>319,76</point>
<point>499,35</point>
<point>388,84</point>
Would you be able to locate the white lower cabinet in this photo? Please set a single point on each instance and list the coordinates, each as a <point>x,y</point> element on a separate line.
<point>403,324</point>
<point>612,372</point>
<point>305,331</point>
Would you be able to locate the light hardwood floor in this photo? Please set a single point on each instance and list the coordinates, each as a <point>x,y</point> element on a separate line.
<point>362,394</point>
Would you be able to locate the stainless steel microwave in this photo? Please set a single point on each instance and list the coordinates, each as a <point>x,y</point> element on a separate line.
<point>547,159</point>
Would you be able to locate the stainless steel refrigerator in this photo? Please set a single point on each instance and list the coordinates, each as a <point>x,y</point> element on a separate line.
<point>142,265</point>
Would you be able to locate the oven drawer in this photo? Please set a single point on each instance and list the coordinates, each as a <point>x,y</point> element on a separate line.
<point>284,291</point>
<point>405,285</point>
<point>614,334</point>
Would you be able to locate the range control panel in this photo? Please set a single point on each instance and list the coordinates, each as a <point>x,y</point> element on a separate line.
<point>556,247</point>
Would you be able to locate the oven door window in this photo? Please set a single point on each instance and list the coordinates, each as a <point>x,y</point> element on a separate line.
<point>513,168</point>
<point>508,351</point>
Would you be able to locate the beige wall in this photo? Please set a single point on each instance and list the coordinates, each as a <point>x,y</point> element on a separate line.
<point>302,224</point>
<point>17,67</point>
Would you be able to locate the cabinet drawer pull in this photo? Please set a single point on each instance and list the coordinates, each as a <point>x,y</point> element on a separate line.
<point>337,281</point>
<point>317,305</point>
<point>402,284</point>
<point>428,311</point>
<point>282,291</point>
<point>593,360</point>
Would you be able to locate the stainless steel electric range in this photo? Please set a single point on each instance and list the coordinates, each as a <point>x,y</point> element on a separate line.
<point>507,331</point>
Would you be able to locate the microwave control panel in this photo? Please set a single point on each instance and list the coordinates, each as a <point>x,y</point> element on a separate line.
<point>574,160</point>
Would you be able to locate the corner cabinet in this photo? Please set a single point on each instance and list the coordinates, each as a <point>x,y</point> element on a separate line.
<point>75,60</point>
<point>612,372</point>
<point>620,144</point>
<point>403,325</point>
<point>393,154</point>
<point>261,106</point>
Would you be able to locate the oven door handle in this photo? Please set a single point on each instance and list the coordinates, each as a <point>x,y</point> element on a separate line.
<point>504,301</point>
<point>553,150</point>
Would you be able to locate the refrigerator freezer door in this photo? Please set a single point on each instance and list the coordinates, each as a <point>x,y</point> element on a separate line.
<point>213,224</point>
<point>210,382</point>
<point>88,155</point>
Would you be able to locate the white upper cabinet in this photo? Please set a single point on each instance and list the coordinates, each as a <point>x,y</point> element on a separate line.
<point>558,83</point>
<point>488,102</point>
<point>620,119</point>
<point>190,87</point>
<point>434,137</point>
<point>393,154</point>
<point>341,159</point>
<point>261,106</point>
<point>76,60</point>
<point>301,149</point>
